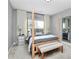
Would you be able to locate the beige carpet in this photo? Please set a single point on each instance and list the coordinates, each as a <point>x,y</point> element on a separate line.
<point>21,52</point>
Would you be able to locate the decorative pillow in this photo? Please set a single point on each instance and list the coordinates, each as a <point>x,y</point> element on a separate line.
<point>39,33</point>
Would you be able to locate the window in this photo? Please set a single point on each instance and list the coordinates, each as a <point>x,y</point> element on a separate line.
<point>39,24</point>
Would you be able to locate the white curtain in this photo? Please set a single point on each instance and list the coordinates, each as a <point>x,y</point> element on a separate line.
<point>46,24</point>
<point>25,25</point>
<point>22,22</point>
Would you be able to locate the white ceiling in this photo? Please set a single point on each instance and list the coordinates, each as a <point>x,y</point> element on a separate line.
<point>41,6</point>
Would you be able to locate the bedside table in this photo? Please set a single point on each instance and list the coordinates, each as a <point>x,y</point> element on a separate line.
<point>21,40</point>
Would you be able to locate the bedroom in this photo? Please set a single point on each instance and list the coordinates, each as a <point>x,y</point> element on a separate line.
<point>50,18</point>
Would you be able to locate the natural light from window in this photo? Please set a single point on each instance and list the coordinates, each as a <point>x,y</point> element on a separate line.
<point>39,24</point>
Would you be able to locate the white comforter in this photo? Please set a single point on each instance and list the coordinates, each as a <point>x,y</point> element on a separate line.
<point>39,37</point>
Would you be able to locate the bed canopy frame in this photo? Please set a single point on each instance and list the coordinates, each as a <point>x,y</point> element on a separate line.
<point>33,32</point>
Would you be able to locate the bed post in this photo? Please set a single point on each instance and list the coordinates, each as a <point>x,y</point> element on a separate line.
<point>60,35</point>
<point>33,34</point>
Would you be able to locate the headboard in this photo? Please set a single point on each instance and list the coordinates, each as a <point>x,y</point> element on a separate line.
<point>38,31</point>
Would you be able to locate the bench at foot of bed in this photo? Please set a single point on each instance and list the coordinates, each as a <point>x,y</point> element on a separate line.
<point>48,47</point>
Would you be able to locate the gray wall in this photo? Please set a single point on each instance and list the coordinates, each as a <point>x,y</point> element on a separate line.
<point>11,25</point>
<point>55,21</point>
<point>14,26</point>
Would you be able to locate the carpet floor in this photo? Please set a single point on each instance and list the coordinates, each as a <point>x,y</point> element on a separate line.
<point>21,52</point>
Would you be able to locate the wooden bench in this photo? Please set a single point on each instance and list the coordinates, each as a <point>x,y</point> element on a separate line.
<point>48,47</point>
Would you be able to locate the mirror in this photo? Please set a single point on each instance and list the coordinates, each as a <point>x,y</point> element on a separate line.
<point>66,28</point>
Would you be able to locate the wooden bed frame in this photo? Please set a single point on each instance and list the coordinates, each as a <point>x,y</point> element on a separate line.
<point>33,35</point>
<point>34,46</point>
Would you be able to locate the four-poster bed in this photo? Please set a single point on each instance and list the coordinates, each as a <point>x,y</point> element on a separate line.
<point>33,24</point>
<point>41,42</point>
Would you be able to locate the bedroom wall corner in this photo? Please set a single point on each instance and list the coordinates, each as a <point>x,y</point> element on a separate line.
<point>56,22</point>
<point>11,25</point>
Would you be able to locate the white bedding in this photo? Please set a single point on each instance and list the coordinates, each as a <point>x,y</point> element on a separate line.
<point>39,37</point>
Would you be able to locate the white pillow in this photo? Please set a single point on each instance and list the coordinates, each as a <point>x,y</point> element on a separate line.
<point>39,33</point>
